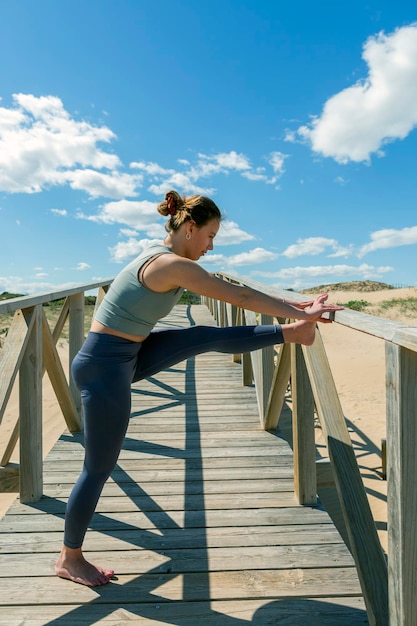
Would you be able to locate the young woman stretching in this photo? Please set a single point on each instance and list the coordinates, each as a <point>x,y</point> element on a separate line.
<point>122,348</point>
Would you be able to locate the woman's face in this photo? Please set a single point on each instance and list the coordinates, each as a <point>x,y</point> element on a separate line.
<point>201,240</point>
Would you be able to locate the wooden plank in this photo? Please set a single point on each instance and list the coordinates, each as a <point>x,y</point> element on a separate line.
<point>395,332</point>
<point>174,519</point>
<point>315,612</point>
<point>63,316</point>
<point>9,478</point>
<point>30,405</point>
<point>323,611</point>
<point>76,340</point>
<point>199,520</point>
<point>196,586</point>
<point>27,302</point>
<point>11,356</point>
<point>262,367</point>
<point>304,445</point>
<point>57,377</point>
<point>193,559</point>
<point>282,375</point>
<point>401,472</point>
<point>217,537</point>
<point>363,539</point>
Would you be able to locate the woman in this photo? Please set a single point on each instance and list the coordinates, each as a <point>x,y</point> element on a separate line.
<point>122,348</point>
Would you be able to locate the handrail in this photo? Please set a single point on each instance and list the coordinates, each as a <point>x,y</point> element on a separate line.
<point>388,588</point>
<point>29,350</point>
<point>399,333</point>
<point>24,302</point>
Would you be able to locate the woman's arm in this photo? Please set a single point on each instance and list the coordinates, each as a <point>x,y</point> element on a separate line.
<point>169,271</point>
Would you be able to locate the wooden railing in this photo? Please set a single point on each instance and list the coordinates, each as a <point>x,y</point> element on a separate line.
<point>29,349</point>
<point>388,584</point>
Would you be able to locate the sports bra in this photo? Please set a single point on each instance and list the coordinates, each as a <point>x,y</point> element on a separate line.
<point>131,307</point>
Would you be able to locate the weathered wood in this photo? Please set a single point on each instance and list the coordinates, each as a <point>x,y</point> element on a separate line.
<point>384,459</point>
<point>262,367</point>
<point>322,611</point>
<point>9,478</point>
<point>60,323</point>
<point>281,378</point>
<point>11,356</point>
<point>401,474</point>
<point>240,585</point>
<point>126,539</point>
<point>26,302</point>
<point>76,339</point>
<point>324,473</point>
<point>177,560</point>
<point>199,521</point>
<point>100,295</point>
<point>57,377</point>
<point>396,332</point>
<point>363,538</point>
<point>304,446</point>
<point>30,403</point>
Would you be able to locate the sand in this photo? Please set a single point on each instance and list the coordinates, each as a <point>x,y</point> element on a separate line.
<point>358,366</point>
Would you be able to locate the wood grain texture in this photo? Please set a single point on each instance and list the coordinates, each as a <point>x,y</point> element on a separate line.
<point>199,520</point>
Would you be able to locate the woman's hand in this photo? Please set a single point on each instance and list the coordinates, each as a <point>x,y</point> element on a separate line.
<point>300,305</point>
<point>319,306</point>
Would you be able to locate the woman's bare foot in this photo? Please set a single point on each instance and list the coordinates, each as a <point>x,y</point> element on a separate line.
<point>301,332</point>
<point>72,565</point>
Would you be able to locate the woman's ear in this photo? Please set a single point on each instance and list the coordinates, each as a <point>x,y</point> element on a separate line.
<point>191,225</point>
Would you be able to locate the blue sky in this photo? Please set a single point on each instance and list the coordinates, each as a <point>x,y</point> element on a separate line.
<point>299,120</point>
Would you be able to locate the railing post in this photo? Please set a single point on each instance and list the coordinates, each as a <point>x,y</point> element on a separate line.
<point>76,339</point>
<point>262,367</point>
<point>30,404</point>
<point>304,445</point>
<point>401,368</point>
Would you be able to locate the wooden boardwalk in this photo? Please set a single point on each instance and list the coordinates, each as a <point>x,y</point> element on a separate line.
<point>199,520</point>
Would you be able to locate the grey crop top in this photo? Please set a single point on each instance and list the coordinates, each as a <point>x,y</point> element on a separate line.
<point>129,306</point>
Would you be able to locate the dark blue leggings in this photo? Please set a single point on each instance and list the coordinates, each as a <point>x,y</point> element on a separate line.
<point>104,370</point>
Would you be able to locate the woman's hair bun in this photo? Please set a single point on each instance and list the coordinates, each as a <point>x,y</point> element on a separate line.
<point>172,203</point>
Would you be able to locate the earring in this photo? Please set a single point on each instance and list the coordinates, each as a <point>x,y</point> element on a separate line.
<point>188,236</point>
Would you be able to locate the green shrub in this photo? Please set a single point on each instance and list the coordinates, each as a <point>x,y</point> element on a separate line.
<point>356,305</point>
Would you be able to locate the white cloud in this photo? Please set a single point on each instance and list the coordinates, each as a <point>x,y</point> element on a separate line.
<point>16,284</point>
<point>222,162</point>
<point>128,232</point>
<point>41,145</point>
<point>129,249</point>
<point>182,182</point>
<point>313,246</point>
<point>152,169</point>
<point>231,233</point>
<point>253,257</point>
<point>277,160</point>
<point>61,212</point>
<point>82,266</point>
<point>327,272</point>
<point>390,238</point>
<point>361,119</point>
<point>136,214</point>
<point>108,185</point>
<point>188,180</point>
